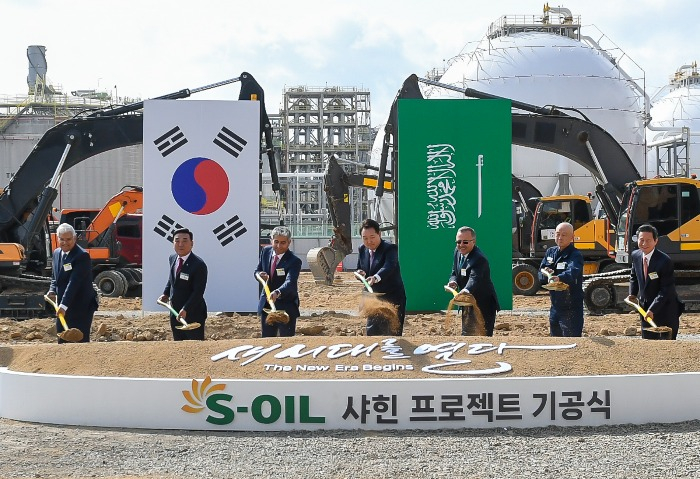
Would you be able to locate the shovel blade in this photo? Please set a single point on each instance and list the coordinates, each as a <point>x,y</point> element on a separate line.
<point>71,335</point>
<point>188,326</point>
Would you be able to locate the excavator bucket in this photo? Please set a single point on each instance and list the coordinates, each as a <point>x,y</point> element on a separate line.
<point>323,262</point>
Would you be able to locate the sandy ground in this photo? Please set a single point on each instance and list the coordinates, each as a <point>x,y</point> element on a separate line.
<point>120,322</point>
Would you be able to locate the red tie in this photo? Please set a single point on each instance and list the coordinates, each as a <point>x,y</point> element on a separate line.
<point>274,265</point>
<point>646,266</point>
<point>179,267</point>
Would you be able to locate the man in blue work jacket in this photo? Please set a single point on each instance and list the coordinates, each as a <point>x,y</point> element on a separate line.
<point>564,263</point>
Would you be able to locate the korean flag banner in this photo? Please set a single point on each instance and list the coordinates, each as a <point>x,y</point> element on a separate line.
<point>201,171</point>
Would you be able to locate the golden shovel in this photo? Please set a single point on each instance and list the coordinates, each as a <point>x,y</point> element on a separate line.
<point>553,285</point>
<point>274,316</point>
<point>71,335</point>
<point>641,311</point>
<point>370,291</point>
<point>364,281</point>
<point>185,325</point>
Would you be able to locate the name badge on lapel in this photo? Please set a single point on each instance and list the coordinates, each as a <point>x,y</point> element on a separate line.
<point>67,267</point>
<point>561,265</point>
<point>463,271</point>
<point>653,275</point>
<point>279,271</point>
<point>184,276</point>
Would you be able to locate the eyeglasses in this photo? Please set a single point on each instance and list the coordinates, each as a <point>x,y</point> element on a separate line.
<point>463,241</point>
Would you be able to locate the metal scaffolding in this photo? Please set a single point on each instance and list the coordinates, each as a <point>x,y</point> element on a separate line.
<point>316,122</point>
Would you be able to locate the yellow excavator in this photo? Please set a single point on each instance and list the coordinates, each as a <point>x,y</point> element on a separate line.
<point>671,204</point>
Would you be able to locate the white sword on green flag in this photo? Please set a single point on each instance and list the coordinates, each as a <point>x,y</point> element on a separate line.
<point>479,164</point>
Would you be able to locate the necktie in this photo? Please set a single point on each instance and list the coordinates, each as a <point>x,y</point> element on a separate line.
<point>275,258</point>
<point>646,266</point>
<point>462,258</point>
<point>64,256</point>
<point>179,267</point>
<point>371,258</point>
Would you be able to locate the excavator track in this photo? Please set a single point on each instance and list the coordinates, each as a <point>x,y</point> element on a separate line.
<point>600,291</point>
<point>23,296</point>
<point>605,292</point>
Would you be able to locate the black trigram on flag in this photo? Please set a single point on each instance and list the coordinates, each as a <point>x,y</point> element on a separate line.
<point>170,141</point>
<point>166,227</point>
<point>230,230</point>
<point>229,142</point>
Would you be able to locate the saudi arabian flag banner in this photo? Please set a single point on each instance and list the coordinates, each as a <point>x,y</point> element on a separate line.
<point>454,169</point>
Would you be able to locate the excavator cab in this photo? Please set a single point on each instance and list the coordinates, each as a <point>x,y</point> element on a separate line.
<point>591,235</point>
<point>672,206</point>
<point>553,210</point>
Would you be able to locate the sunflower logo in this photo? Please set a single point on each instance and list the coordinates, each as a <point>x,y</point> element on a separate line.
<point>197,397</point>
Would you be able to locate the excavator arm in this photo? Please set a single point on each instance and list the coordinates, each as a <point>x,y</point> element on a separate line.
<point>128,200</point>
<point>337,182</point>
<point>26,201</point>
<point>543,128</point>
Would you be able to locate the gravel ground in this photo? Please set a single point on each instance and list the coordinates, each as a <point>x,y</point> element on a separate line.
<point>649,451</point>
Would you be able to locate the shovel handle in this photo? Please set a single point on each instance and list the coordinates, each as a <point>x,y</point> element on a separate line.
<point>450,290</point>
<point>641,311</point>
<point>547,274</point>
<point>61,317</point>
<point>48,299</point>
<point>167,305</point>
<point>267,291</point>
<point>364,281</point>
<point>170,308</point>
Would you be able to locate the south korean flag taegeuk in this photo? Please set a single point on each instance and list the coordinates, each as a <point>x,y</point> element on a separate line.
<point>201,171</point>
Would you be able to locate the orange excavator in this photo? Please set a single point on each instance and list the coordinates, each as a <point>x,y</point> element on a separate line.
<point>116,261</point>
<point>25,203</point>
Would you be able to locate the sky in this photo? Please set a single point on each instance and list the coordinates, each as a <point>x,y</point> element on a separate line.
<point>148,48</point>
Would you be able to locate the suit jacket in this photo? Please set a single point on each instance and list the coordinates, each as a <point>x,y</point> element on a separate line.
<point>71,280</point>
<point>187,291</point>
<point>657,291</point>
<point>386,266</point>
<point>285,284</point>
<point>477,279</point>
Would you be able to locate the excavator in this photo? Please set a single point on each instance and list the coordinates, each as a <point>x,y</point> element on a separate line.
<point>116,267</point>
<point>25,204</point>
<point>534,224</point>
<point>671,204</point>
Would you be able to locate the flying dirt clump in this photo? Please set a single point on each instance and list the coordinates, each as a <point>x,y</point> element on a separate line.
<point>381,316</point>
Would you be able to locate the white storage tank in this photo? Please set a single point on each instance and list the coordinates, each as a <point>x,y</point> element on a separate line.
<point>545,60</point>
<point>673,134</point>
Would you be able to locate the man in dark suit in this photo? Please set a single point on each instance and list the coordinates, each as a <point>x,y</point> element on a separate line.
<point>187,280</point>
<point>564,263</point>
<point>71,283</point>
<point>280,267</point>
<point>378,262</point>
<point>652,283</point>
<point>471,274</point>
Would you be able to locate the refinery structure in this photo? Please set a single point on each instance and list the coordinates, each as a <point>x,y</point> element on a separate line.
<point>541,59</point>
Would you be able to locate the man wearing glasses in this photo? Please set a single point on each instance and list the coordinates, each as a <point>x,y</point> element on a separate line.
<point>471,274</point>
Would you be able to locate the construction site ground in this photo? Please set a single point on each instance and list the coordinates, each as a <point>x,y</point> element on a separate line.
<point>332,311</point>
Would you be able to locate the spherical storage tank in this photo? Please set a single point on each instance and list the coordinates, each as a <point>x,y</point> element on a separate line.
<point>545,61</point>
<point>673,134</point>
